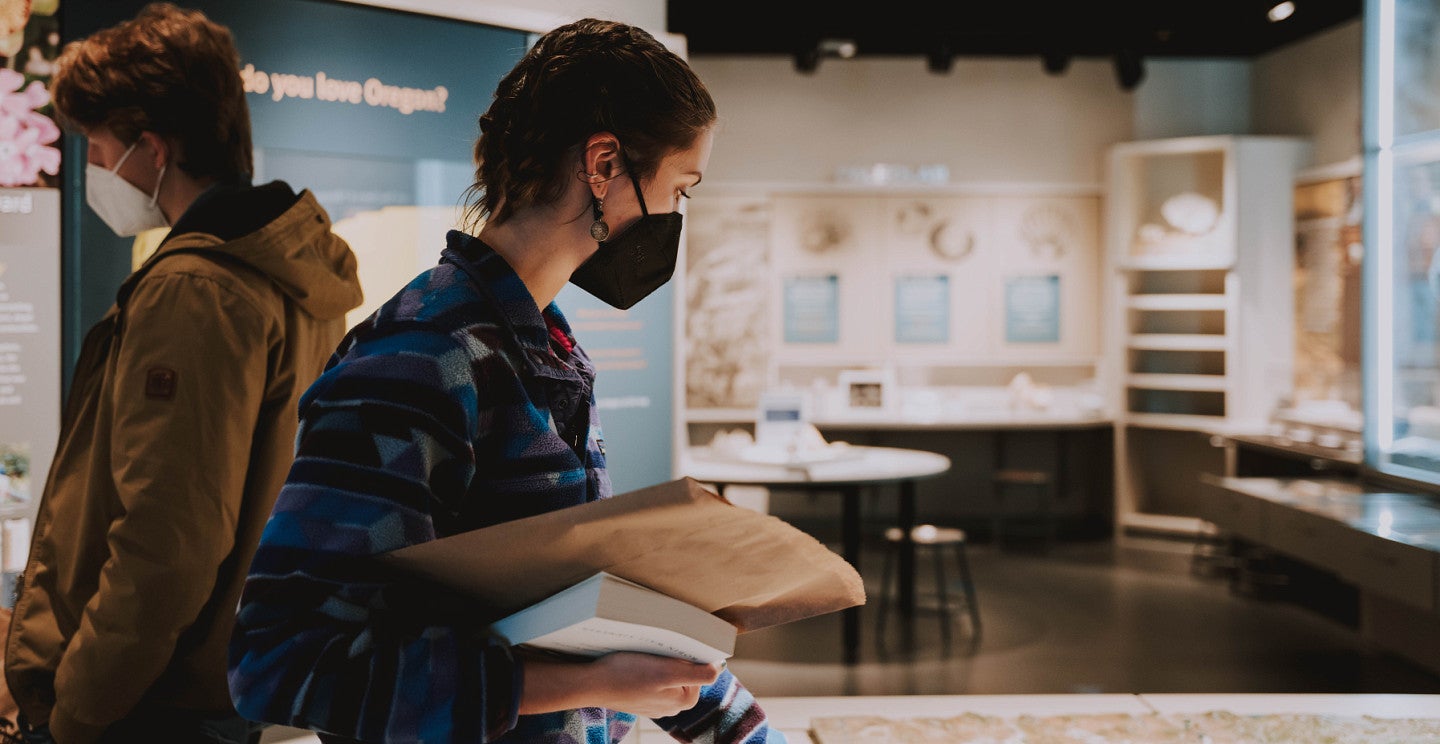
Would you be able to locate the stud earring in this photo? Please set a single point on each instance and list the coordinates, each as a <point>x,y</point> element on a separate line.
<point>599,229</point>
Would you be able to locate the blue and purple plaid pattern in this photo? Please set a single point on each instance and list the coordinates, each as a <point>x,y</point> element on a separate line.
<point>445,411</point>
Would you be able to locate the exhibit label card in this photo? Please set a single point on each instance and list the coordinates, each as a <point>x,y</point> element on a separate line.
<point>812,310</point>
<point>922,309</point>
<point>1032,309</point>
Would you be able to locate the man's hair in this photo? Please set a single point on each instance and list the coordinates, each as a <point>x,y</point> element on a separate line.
<point>585,77</point>
<point>169,71</point>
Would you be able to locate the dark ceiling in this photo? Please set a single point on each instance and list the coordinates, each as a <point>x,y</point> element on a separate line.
<point>1059,28</point>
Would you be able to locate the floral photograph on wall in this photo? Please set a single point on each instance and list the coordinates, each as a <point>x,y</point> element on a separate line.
<point>29,134</point>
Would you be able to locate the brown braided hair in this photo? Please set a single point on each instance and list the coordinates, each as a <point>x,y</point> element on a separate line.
<point>585,77</point>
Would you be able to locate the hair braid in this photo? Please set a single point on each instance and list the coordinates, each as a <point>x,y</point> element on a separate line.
<point>585,77</point>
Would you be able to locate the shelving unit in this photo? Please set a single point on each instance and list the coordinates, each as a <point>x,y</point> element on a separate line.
<point>1177,341</point>
<point>1177,302</point>
<point>1200,252</point>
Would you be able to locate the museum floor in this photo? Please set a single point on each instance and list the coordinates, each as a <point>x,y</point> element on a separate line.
<point>1082,617</point>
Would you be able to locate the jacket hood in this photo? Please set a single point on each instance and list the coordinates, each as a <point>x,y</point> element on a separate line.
<point>285,236</point>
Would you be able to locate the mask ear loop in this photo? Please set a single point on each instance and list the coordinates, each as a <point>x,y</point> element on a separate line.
<point>121,161</point>
<point>155,197</point>
<point>630,171</point>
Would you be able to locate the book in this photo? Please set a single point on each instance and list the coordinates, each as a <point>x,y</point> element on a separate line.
<point>606,613</point>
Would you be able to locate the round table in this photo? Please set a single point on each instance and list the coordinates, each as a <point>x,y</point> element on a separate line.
<point>851,470</point>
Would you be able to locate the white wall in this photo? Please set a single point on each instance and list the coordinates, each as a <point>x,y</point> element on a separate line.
<point>537,15</point>
<point>1006,120</point>
<point>1312,88</point>
<point>988,120</point>
<point>648,14</point>
<point>1193,97</point>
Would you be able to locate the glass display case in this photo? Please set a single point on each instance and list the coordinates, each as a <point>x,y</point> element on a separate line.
<point>1402,150</point>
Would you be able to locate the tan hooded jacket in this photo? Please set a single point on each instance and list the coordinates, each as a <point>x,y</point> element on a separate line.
<point>177,435</point>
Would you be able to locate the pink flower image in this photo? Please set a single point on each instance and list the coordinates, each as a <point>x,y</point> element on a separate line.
<point>25,134</point>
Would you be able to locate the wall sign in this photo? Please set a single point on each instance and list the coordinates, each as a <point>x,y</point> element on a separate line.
<point>922,309</point>
<point>812,310</point>
<point>1032,309</point>
<point>634,371</point>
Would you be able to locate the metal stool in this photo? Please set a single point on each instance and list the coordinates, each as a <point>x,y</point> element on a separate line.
<point>1043,483</point>
<point>935,539</point>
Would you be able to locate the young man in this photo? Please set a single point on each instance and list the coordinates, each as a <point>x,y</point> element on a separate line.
<point>181,420</point>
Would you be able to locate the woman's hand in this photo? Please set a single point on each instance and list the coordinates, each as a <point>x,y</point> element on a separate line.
<point>646,685</point>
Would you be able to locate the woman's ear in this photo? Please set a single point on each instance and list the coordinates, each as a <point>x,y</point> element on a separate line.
<point>601,162</point>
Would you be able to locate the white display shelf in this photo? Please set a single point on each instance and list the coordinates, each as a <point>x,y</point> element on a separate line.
<point>1164,523</point>
<point>1220,307</point>
<point>1179,302</point>
<point>1179,342</point>
<point>1176,263</point>
<point>1196,383</point>
<point>1174,421</point>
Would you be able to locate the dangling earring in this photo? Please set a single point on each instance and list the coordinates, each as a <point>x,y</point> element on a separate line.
<point>599,229</point>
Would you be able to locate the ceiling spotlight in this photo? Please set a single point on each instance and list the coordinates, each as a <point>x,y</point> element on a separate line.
<point>1281,11</point>
<point>1129,68</point>
<point>1055,63</point>
<point>842,48</point>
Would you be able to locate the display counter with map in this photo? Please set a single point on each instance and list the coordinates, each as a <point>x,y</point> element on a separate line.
<point>1100,719</point>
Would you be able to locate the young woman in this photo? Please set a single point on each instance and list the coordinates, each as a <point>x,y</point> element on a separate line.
<point>464,402</point>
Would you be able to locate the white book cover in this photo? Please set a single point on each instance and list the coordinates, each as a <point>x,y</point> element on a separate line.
<point>606,613</point>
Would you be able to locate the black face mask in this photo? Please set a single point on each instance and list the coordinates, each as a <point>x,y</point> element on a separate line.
<point>628,267</point>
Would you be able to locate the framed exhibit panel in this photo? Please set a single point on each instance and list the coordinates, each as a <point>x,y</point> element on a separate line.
<point>30,275</point>
<point>868,391</point>
<point>727,301</point>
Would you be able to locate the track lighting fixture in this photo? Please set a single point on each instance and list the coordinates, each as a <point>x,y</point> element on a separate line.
<point>939,59</point>
<point>1055,63</point>
<point>807,59</point>
<point>1129,68</point>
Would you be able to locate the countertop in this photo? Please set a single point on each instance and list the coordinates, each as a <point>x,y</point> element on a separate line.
<point>793,715</point>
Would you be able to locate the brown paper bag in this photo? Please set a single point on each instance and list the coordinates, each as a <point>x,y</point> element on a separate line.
<point>751,570</point>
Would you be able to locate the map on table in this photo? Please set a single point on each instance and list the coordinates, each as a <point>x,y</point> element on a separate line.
<point>1216,727</point>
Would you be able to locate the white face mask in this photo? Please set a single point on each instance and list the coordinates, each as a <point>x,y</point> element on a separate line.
<point>126,209</point>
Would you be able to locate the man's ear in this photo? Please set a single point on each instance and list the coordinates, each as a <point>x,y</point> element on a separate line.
<point>161,151</point>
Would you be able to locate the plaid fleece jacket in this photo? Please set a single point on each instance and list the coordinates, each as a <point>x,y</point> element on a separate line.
<point>447,410</point>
